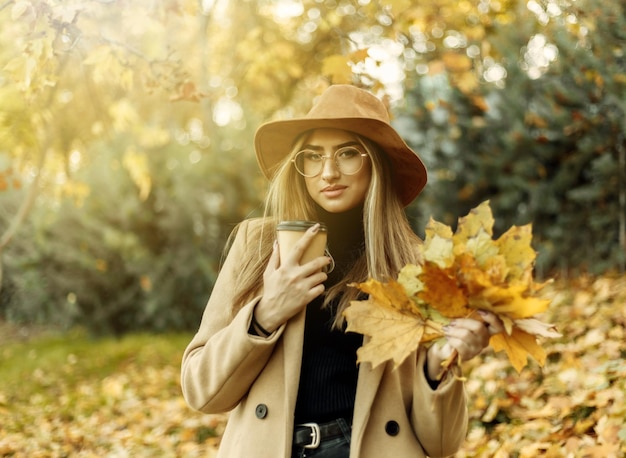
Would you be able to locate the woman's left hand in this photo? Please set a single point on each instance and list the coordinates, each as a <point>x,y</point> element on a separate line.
<point>469,337</point>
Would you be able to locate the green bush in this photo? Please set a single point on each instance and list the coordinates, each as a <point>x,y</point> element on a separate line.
<point>115,263</point>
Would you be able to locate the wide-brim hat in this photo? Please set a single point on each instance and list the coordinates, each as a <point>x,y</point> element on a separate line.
<point>353,109</point>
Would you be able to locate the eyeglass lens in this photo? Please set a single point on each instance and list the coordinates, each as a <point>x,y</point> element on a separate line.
<point>309,163</point>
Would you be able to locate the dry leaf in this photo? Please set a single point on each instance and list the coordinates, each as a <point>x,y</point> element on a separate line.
<point>441,288</point>
<point>394,335</point>
<point>536,327</point>
<point>461,272</point>
<point>394,323</point>
<point>518,346</point>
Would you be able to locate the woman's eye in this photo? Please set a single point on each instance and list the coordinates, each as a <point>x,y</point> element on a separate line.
<point>348,153</point>
<point>312,156</point>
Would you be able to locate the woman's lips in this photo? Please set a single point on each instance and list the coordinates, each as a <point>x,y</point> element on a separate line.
<point>333,191</point>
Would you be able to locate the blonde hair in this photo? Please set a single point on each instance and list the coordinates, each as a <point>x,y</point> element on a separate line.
<point>390,243</point>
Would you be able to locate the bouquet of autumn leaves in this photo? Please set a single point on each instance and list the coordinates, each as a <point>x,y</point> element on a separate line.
<point>461,273</point>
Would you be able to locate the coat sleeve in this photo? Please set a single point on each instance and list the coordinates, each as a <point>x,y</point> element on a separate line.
<point>439,416</point>
<point>222,360</point>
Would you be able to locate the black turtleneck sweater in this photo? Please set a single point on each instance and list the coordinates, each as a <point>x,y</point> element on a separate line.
<point>329,370</point>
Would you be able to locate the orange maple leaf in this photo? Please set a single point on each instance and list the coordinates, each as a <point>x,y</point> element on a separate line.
<point>518,346</point>
<point>442,291</point>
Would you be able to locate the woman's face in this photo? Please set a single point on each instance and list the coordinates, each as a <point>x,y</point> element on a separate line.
<point>331,189</point>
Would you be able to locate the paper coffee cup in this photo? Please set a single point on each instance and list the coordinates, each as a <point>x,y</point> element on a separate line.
<point>289,232</point>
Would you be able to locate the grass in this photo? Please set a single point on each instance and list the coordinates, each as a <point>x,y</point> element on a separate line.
<point>38,366</point>
<point>72,395</point>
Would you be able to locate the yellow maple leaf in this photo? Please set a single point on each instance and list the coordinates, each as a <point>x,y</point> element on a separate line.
<point>481,246</point>
<point>390,295</point>
<point>409,279</point>
<point>470,225</point>
<point>392,322</point>
<point>438,245</point>
<point>518,346</point>
<point>496,268</point>
<point>515,246</point>
<point>509,300</point>
<point>393,334</point>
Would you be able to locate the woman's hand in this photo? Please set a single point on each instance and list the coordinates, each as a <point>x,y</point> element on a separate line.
<point>288,286</point>
<point>467,336</point>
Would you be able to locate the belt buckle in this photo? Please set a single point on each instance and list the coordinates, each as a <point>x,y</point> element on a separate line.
<point>316,436</point>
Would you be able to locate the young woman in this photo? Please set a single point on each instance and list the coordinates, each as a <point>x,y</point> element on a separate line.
<point>271,347</point>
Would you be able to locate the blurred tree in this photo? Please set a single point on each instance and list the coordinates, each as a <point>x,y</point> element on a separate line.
<point>543,141</point>
<point>127,126</point>
<point>102,115</point>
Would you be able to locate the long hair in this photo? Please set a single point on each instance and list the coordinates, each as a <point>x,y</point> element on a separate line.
<point>390,243</point>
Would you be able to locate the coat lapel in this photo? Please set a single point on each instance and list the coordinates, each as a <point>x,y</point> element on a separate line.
<point>292,348</point>
<point>367,387</point>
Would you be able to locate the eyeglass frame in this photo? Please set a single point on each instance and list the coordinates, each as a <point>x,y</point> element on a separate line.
<point>334,157</point>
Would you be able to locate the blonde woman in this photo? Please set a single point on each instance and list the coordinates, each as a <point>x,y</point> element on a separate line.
<point>271,347</point>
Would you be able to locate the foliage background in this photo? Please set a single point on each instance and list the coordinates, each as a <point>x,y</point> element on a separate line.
<point>126,133</point>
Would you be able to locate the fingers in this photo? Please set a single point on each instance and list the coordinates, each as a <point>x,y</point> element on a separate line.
<point>469,337</point>
<point>491,321</point>
<point>293,258</point>
<point>289,286</point>
<point>274,261</point>
<point>295,255</point>
<point>466,328</point>
<point>286,292</point>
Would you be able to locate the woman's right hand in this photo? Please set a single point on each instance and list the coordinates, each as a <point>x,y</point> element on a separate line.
<point>289,286</point>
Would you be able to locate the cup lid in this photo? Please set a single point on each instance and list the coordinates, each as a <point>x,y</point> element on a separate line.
<point>299,225</point>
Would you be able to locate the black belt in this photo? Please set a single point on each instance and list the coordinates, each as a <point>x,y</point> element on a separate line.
<point>309,435</point>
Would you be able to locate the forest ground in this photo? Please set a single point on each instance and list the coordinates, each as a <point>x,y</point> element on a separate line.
<point>70,395</point>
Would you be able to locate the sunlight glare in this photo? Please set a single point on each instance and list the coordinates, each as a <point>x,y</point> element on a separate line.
<point>75,160</point>
<point>284,10</point>
<point>539,55</point>
<point>382,63</point>
<point>226,111</point>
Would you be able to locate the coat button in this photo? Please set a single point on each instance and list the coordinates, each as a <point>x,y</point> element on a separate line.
<point>392,428</point>
<point>261,411</point>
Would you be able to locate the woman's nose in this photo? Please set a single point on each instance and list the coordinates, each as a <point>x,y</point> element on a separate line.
<point>330,169</point>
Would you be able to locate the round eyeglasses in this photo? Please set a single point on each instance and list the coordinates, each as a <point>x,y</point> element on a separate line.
<point>309,163</point>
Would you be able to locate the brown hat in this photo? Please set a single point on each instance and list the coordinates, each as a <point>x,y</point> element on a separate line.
<point>349,108</point>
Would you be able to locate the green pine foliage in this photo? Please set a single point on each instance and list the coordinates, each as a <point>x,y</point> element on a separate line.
<point>546,149</point>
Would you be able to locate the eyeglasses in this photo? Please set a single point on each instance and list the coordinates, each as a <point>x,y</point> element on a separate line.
<point>309,163</point>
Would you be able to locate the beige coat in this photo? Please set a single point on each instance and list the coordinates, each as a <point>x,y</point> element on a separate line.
<point>224,368</point>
